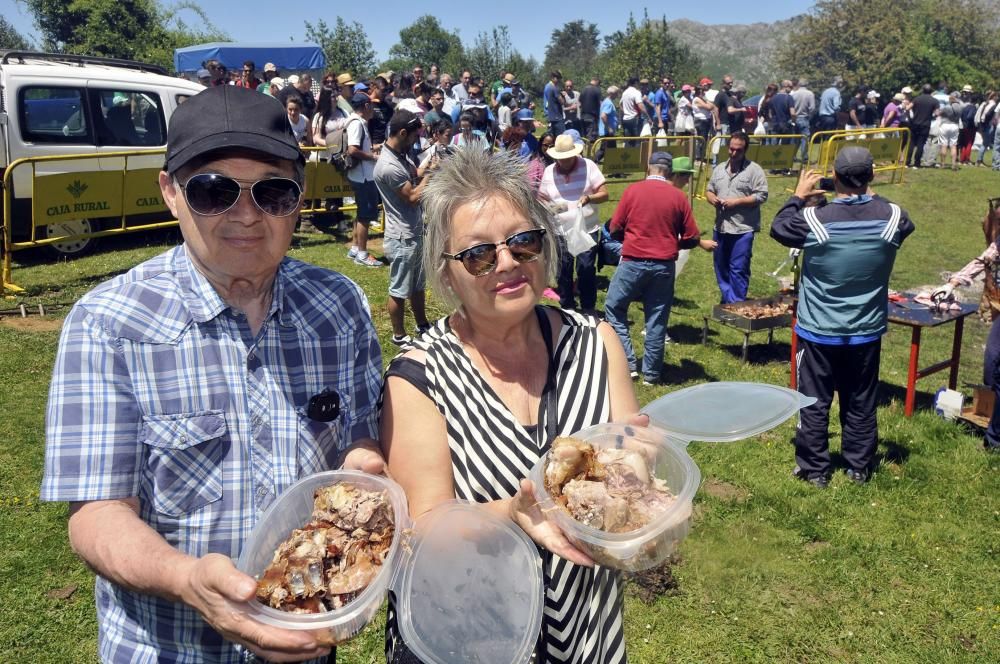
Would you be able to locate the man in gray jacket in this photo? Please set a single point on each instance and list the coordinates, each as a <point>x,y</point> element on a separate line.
<point>848,250</point>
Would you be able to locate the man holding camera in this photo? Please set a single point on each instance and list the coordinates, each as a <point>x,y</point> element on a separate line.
<point>848,249</point>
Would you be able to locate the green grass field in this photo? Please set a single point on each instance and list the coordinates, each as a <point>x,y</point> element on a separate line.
<point>905,569</point>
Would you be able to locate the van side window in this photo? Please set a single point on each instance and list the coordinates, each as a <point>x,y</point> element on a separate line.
<point>128,118</point>
<point>53,115</point>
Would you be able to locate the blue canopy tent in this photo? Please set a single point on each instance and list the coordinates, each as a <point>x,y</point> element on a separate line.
<point>286,56</point>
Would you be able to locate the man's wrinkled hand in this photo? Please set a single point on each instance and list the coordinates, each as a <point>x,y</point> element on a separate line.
<point>215,588</point>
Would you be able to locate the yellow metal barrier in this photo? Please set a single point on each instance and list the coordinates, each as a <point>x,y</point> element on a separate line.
<point>618,157</point>
<point>323,182</point>
<point>887,145</point>
<point>99,192</point>
<point>104,186</point>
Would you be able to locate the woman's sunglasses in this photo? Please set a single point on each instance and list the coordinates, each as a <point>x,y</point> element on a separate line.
<point>211,194</point>
<point>481,259</point>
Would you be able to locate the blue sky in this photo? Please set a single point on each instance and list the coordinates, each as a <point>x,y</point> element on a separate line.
<point>530,27</point>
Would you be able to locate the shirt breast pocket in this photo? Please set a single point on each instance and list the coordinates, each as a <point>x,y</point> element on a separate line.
<point>320,443</point>
<point>185,453</point>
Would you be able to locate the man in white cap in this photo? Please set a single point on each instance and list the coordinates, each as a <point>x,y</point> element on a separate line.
<point>849,249</point>
<point>574,185</point>
<point>270,71</point>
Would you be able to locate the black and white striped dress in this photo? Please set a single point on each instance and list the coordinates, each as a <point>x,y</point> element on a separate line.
<point>490,453</point>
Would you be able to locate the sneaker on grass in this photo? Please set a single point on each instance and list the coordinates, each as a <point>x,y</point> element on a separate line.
<point>368,261</point>
<point>819,481</point>
<point>353,253</point>
<point>404,342</point>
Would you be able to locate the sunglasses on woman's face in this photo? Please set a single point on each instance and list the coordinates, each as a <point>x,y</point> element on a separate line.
<point>481,259</point>
<point>211,194</point>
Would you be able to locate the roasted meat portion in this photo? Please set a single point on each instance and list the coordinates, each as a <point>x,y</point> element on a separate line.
<point>332,558</point>
<point>759,310</point>
<point>609,489</point>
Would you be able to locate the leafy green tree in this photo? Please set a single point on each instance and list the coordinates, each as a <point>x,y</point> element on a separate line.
<point>647,50</point>
<point>898,43</point>
<point>346,46</point>
<point>131,29</point>
<point>574,50</point>
<point>10,37</point>
<point>529,73</point>
<point>426,42</point>
<point>490,54</point>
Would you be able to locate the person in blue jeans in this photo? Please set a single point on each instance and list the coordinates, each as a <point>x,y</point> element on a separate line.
<point>654,217</point>
<point>737,189</point>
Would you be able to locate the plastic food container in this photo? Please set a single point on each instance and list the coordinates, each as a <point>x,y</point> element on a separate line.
<point>293,509</point>
<point>468,584</point>
<point>712,412</point>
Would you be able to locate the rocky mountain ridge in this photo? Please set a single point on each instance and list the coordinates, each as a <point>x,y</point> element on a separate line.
<point>746,51</point>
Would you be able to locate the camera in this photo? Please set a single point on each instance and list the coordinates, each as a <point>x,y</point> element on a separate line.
<point>826,184</point>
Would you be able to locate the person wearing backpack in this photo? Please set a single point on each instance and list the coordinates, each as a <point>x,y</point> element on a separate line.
<point>361,173</point>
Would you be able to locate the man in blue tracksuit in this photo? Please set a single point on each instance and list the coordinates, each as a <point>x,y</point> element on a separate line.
<point>848,249</point>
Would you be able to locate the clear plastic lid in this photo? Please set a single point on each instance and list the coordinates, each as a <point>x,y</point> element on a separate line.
<point>725,411</point>
<point>469,588</point>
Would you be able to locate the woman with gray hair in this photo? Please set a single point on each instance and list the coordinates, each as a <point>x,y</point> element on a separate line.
<point>482,395</point>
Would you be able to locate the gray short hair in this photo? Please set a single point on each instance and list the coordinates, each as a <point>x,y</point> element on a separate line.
<point>473,175</point>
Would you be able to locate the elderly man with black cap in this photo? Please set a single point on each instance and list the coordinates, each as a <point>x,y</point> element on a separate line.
<point>191,391</point>
<point>656,221</point>
<point>848,249</point>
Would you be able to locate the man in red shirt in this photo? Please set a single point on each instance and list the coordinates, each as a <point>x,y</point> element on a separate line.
<point>656,221</point>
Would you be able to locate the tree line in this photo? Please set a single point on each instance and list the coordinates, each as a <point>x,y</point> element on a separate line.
<point>881,44</point>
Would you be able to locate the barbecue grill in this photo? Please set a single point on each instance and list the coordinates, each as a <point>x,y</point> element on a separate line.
<point>754,315</point>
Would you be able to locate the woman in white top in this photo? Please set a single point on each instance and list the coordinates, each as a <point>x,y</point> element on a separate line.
<point>704,119</point>
<point>298,122</point>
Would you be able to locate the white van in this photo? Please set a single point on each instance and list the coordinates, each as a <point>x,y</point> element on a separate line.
<point>58,104</point>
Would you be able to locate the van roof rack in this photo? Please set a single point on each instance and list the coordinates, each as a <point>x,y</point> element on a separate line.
<point>9,56</point>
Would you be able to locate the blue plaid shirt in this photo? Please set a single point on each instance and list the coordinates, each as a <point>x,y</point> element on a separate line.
<point>161,391</point>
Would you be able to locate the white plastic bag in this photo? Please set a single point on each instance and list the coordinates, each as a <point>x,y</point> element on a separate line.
<point>646,130</point>
<point>760,130</point>
<point>682,259</point>
<point>578,240</point>
<point>661,138</point>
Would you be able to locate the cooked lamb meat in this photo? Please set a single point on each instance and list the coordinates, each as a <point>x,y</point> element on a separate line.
<point>609,489</point>
<point>330,560</point>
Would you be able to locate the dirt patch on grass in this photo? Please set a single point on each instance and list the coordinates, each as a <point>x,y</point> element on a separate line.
<point>725,490</point>
<point>967,642</point>
<point>655,582</point>
<point>32,323</point>
<point>816,546</point>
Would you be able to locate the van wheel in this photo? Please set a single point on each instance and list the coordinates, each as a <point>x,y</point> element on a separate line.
<point>71,248</point>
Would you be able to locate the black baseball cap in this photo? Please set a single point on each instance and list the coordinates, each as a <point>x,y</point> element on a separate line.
<point>227,116</point>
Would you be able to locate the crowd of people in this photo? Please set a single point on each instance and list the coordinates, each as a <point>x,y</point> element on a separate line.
<point>190,392</point>
<point>949,127</point>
